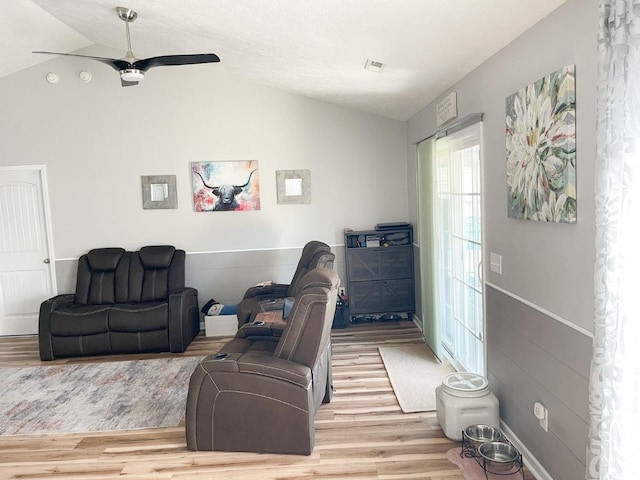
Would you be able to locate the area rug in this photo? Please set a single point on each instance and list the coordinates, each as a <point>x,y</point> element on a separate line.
<point>414,373</point>
<point>94,397</point>
<point>472,470</point>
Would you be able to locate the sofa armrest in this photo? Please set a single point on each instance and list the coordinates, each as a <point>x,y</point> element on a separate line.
<point>184,318</point>
<point>59,300</point>
<point>274,290</point>
<point>268,306</point>
<point>261,329</point>
<point>44,322</point>
<point>278,368</point>
<point>258,363</point>
<point>221,362</point>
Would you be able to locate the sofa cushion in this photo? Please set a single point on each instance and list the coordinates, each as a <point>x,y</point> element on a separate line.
<point>139,317</point>
<point>154,286</point>
<point>104,259</point>
<point>157,256</point>
<point>76,320</point>
<point>77,346</point>
<point>138,342</point>
<point>312,310</point>
<point>155,272</point>
<point>103,276</point>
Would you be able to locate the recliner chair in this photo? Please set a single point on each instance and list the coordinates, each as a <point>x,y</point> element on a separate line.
<point>261,391</point>
<point>315,254</point>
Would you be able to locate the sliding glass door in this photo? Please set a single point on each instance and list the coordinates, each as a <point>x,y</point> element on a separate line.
<point>457,216</point>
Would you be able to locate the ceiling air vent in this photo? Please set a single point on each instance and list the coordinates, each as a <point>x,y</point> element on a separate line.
<point>373,66</point>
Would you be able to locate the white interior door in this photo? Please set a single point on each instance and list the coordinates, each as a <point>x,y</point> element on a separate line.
<point>26,273</point>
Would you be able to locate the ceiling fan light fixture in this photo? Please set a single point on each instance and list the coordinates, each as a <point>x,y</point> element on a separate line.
<point>131,75</point>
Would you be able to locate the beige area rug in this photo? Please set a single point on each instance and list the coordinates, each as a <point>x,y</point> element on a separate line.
<point>93,397</point>
<point>414,373</point>
<point>472,470</point>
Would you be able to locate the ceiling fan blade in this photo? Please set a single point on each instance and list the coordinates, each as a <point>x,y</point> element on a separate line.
<point>112,62</point>
<point>148,63</point>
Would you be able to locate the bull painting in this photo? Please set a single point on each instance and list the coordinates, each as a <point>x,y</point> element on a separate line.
<point>225,186</point>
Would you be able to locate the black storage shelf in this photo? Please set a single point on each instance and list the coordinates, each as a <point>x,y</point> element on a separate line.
<point>379,264</point>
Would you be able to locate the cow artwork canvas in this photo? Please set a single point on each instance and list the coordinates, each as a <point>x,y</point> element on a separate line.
<point>225,186</point>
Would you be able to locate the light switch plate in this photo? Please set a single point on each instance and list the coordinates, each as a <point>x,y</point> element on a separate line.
<point>496,263</point>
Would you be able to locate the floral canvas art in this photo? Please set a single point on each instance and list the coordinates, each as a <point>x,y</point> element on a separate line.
<point>225,186</point>
<point>541,149</point>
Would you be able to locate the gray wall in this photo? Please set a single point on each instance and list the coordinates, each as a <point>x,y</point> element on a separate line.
<point>97,139</point>
<point>548,267</point>
<point>534,358</point>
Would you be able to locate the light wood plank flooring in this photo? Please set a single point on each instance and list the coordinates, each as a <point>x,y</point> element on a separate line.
<point>361,434</point>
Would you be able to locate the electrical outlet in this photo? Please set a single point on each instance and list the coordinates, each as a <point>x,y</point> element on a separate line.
<point>542,414</point>
<point>341,291</point>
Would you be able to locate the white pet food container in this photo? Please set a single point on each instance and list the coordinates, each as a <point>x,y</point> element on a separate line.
<point>465,399</point>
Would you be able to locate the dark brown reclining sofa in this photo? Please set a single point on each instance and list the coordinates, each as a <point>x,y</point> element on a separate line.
<point>125,302</point>
<point>260,392</point>
<point>315,254</point>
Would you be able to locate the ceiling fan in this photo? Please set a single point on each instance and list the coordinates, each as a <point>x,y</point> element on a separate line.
<point>132,69</point>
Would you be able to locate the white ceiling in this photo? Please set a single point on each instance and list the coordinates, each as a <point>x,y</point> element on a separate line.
<point>316,48</point>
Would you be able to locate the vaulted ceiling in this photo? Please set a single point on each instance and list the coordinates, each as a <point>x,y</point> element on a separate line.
<point>316,48</point>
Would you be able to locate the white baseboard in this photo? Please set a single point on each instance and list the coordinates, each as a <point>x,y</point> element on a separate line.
<point>418,323</point>
<point>536,469</point>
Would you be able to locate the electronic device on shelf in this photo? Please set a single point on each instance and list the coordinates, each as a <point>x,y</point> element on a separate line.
<point>392,225</point>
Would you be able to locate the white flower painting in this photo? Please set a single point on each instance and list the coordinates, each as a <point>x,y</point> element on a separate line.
<point>541,149</point>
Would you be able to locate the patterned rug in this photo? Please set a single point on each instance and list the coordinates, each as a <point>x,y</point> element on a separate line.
<point>94,397</point>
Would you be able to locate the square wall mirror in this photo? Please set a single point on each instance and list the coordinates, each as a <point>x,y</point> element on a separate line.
<point>159,191</point>
<point>294,186</point>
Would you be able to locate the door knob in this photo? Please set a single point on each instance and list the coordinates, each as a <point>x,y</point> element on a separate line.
<point>46,260</point>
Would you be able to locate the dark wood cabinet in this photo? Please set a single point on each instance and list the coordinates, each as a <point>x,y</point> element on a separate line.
<point>379,265</point>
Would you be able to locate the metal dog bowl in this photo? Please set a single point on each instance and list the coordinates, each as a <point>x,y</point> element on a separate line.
<point>479,434</point>
<point>499,456</point>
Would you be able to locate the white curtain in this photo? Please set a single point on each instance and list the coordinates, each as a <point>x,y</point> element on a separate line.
<point>614,396</point>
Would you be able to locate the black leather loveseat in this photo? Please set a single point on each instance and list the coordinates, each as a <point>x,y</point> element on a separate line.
<point>125,302</point>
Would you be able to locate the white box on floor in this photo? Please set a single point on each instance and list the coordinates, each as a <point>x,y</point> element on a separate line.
<point>220,325</point>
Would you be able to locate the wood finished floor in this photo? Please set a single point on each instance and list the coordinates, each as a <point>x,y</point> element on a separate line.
<point>361,434</point>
